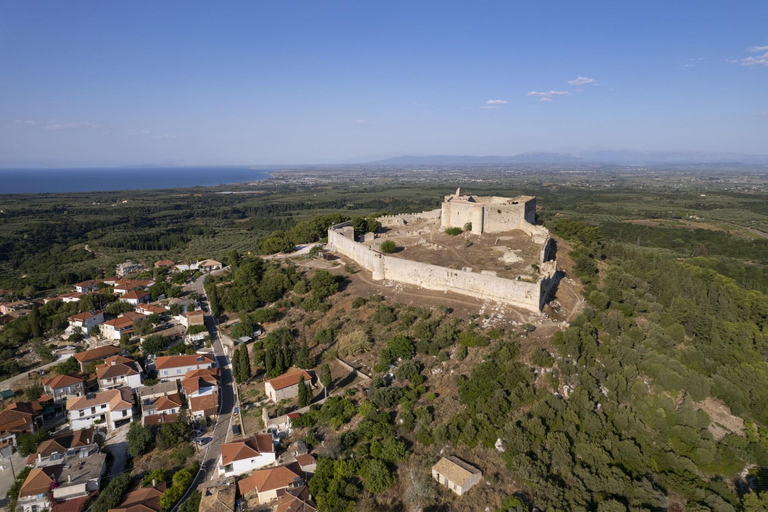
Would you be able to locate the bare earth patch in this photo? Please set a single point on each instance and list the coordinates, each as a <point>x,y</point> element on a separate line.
<point>723,422</point>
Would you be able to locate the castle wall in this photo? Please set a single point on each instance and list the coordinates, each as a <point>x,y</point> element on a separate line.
<point>407,218</point>
<point>432,277</point>
<point>456,215</point>
<point>490,215</point>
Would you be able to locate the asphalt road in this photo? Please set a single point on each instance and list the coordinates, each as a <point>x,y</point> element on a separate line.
<point>209,465</point>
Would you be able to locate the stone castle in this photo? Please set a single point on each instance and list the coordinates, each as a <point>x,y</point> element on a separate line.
<point>486,215</point>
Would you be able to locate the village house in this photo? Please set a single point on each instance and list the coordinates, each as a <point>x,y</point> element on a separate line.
<point>218,495</point>
<point>456,474</point>
<point>111,281</point>
<point>208,265</point>
<point>121,326</point>
<point>69,297</point>
<point>95,354</point>
<point>265,485</point>
<point>151,309</point>
<point>176,367</point>
<point>86,321</point>
<point>16,309</point>
<point>201,388</point>
<point>73,476</point>
<point>164,263</point>
<point>128,267</point>
<point>241,457</point>
<point>297,499</point>
<point>162,409</point>
<point>113,408</point>
<point>56,447</point>
<point>307,463</point>
<point>143,499</point>
<point>286,386</point>
<point>87,286</point>
<point>136,297</point>
<point>62,387</point>
<point>124,286</point>
<point>184,267</point>
<point>19,418</point>
<point>192,318</point>
<point>117,372</point>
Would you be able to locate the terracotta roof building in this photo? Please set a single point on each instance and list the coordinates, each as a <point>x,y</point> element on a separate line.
<point>265,485</point>
<point>176,367</point>
<point>297,499</point>
<point>95,354</point>
<point>19,418</point>
<point>143,499</point>
<point>217,495</point>
<point>113,407</point>
<point>117,372</point>
<point>241,457</point>
<point>61,387</point>
<point>286,386</point>
<point>164,263</point>
<point>61,443</point>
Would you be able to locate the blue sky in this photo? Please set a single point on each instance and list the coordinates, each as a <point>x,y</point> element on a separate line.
<point>255,82</point>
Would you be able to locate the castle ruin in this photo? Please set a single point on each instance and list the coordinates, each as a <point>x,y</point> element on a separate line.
<point>515,257</point>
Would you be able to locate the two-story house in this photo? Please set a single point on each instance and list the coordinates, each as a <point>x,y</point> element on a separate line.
<point>176,367</point>
<point>162,409</point>
<point>245,456</point>
<point>87,286</point>
<point>192,318</point>
<point>201,388</point>
<point>113,408</point>
<point>121,326</point>
<point>86,321</point>
<point>19,418</point>
<point>118,372</point>
<point>95,354</point>
<point>136,297</point>
<point>62,387</point>
<point>266,485</point>
<point>54,448</point>
<point>69,478</point>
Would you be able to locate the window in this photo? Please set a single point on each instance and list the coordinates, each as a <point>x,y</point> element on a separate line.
<point>178,371</point>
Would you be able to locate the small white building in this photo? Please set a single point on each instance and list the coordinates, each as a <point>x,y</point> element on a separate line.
<point>208,265</point>
<point>128,267</point>
<point>86,321</point>
<point>118,372</point>
<point>192,318</point>
<point>87,286</point>
<point>176,367</point>
<point>112,408</point>
<point>455,474</point>
<point>136,297</point>
<point>286,386</point>
<point>245,456</point>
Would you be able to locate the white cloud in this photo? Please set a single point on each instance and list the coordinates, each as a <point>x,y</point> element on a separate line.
<point>583,80</point>
<point>757,60</point>
<point>496,102</point>
<point>687,65</point>
<point>361,121</point>
<point>55,124</point>
<point>762,114</point>
<point>547,96</point>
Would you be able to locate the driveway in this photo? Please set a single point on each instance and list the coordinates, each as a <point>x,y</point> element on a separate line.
<point>11,381</point>
<point>117,445</point>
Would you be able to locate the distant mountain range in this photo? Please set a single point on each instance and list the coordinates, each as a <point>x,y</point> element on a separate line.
<point>627,157</point>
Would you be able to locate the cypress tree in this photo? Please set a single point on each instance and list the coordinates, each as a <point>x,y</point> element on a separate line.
<point>305,395</point>
<point>244,365</point>
<point>304,359</point>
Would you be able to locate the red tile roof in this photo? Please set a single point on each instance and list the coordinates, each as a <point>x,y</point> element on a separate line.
<point>135,294</point>
<point>117,366</point>
<point>207,404</point>
<point>270,479</point>
<point>85,315</point>
<point>247,449</point>
<point>290,378</point>
<point>178,361</point>
<point>59,381</point>
<point>97,353</point>
<point>143,499</point>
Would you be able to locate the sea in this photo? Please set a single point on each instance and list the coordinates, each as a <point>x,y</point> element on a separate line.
<point>33,181</point>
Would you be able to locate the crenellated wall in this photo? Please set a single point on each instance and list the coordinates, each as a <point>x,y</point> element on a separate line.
<point>523,294</point>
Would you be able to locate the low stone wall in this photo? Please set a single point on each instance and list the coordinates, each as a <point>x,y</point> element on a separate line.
<point>523,294</point>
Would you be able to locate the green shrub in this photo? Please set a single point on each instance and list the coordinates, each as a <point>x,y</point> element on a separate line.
<point>453,231</point>
<point>388,246</point>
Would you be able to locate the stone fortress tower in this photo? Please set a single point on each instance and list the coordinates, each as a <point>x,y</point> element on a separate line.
<point>487,214</point>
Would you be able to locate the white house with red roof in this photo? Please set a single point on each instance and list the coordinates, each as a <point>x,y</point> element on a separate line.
<point>121,326</point>
<point>62,387</point>
<point>136,297</point>
<point>201,388</point>
<point>286,386</point>
<point>118,372</point>
<point>176,367</point>
<point>87,286</point>
<point>151,309</point>
<point>112,408</point>
<point>86,321</point>
<point>248,455</point>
